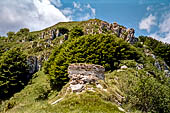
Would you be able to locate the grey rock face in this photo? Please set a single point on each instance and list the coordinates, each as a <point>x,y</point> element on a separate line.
<point>157,64</point>
<point>86,70</point>
<point>33,64</point>
<point>120,31</point>
<point>82,74</point>
<point>42,35</point>
<point>123,67</point>
<point>53,35</point>
<point>34,44</point>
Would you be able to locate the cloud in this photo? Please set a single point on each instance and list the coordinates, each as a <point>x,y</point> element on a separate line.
<point>92,9</point>
<point>86,17</point>
<point>57,3</point>
<point>165,24</point>
<point>147,23</point>
<point>67,11</point>
<point>163,34</point>
<point>83,11</point>
<point>39,14</point>
<point>165,39</point>
<point>33,14</point>
<point>77,5</point>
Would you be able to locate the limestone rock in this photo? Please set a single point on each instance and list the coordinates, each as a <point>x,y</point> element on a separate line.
<point>86,70</point>
<point>77,87</point>
<point>33,64</point>
<point>42,35</point>
<point>82,74</point>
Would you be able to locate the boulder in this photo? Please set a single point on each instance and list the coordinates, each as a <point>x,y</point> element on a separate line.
<point>76,87</point>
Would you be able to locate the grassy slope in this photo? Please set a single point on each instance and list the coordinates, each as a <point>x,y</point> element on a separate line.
<point>32,99</point>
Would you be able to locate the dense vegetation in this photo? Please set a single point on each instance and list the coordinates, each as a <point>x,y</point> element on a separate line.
<point>159,48</point>
<point>13,72</point>
<point>105,50</point>
<point>142,91</point>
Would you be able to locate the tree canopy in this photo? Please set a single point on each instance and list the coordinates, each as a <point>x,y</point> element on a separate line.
<point>13,72</point>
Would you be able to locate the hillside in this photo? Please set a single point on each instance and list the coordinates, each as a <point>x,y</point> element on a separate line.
<point>41,68</point>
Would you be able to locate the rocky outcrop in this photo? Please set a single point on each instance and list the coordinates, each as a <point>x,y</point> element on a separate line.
<point>52,33</point>
<point>102,27</point>
<point>32,61</point>
<point>94,26</point>
<point>82,74</point>
<point>35,62</point>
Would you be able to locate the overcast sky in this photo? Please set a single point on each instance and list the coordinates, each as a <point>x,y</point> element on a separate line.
<point>147,17</point>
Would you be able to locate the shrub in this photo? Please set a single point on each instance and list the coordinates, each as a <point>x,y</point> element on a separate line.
<point>149,95</point>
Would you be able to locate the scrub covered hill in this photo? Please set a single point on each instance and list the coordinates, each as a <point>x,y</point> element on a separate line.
<point>136,77</point>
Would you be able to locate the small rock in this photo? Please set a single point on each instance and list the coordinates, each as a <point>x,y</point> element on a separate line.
<point>139,66</point>
<point>99,86</point>
<point>124,67</point>
<point>77,87</point>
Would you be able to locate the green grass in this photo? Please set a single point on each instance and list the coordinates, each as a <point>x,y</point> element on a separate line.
<point>33,99</point>
<point>87,102</point>
<point>32,94</point>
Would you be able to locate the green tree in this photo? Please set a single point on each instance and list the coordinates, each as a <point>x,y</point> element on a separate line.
<point>76,32</point>
<point>13,72</point>
<point>63,30</point>
<point>10,34</point>
<point>24,30</point>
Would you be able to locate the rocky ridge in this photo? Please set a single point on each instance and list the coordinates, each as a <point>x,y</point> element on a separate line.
<point>98,27</point>
<point>92,26</point>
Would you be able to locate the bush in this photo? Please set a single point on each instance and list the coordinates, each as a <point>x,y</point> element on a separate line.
<point>151,96</point>
<point>142,91</point>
